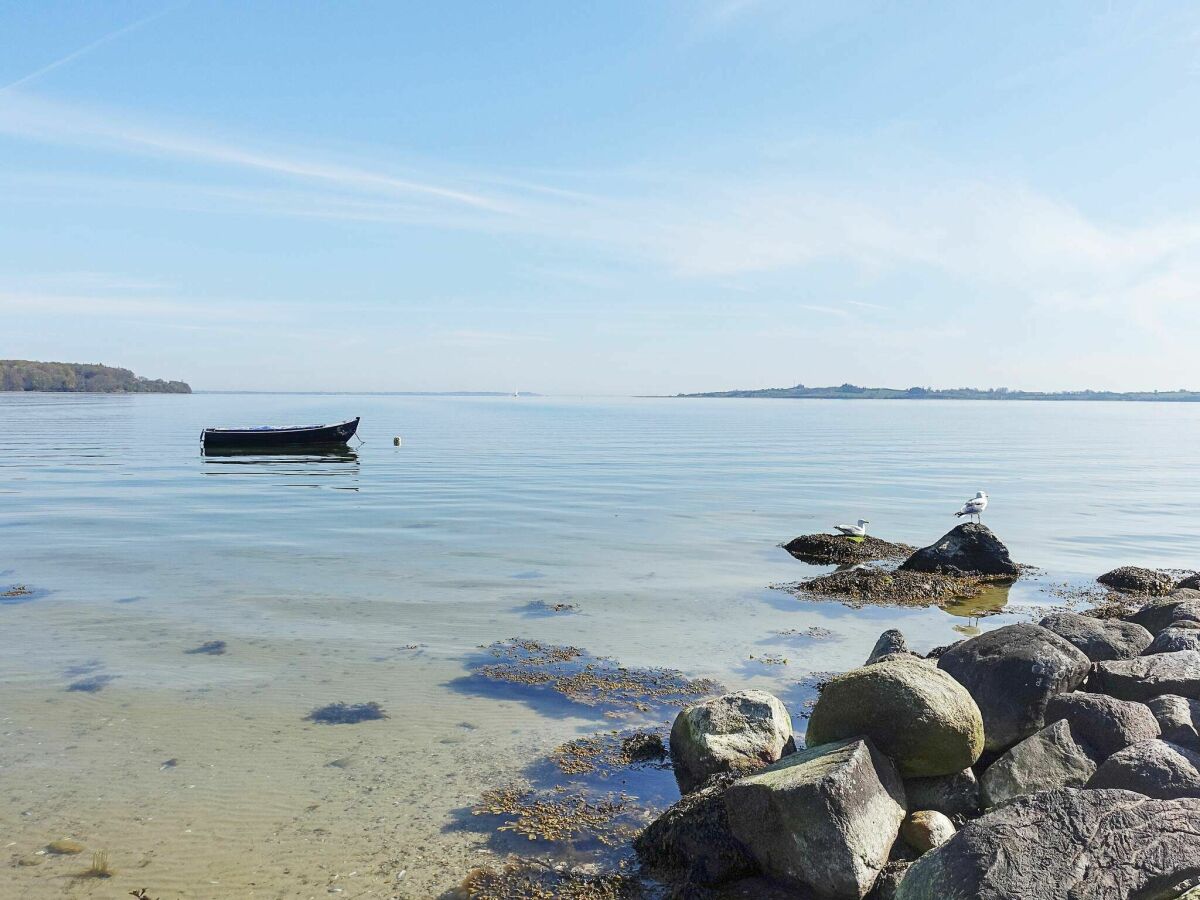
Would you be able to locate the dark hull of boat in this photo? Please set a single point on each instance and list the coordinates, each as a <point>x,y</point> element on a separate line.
<point>315,436</point>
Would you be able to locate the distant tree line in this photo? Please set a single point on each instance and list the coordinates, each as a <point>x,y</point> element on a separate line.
<point>856,392</point>
<point>26,375</point>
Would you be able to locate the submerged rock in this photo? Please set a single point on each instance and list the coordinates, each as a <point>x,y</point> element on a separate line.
<point>1136,580</point>
<point>1178,718</point>
<point>737,732</point>
<point>1105,724</point>
<point>951,795</point>
<point>1069,843</point>
<point>1149,676</point>
<point>824,817</point>
<point>925,829</point>
<point>968,549</point>
<point>1012,672</point>
<point>1099,639</point>
<point>1157,769</point>
<point>915,713</point>
<point>346,713</point>
<point>1050,759</point>
<point>837,549</point>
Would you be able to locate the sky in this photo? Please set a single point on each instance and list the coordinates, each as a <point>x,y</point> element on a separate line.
<point>603,198</point>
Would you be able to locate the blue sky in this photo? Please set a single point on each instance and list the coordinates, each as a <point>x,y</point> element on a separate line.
<point>619,197</point>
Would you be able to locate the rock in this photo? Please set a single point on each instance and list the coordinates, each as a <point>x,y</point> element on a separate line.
<point>1099,639</point>
<point>968,549</point>
<point>1149,676</point>
<point>64,847</point>
<point>1012,672</point>
<point>1068,844</point>
<point>736,732</point>
<point>1105,724</point>
<point>824,817</point>
<point>1050,759</point>
<point>914,712</point>
<point>831,549</point>
<point>925,829</point>
<point>1136,580</point>
<point>1178,718</point>
<point>951,795</point>
<point>1172,639</point>
<point>887,885</point>
<point>1157,769</point>
<point>890,642</point>
<point>691,842</point>
<point>1180,606</point>
<point>1190,583</point>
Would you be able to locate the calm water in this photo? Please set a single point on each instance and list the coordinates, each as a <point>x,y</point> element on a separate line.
<point>377,575</point>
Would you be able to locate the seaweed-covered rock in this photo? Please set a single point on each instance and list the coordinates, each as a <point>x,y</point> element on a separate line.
<point>1070,843</point>
<point>1178,718</point>
<point>1149,676</point>
<point>1156,769</point>
<point>691,844</point>
<point>925,829</point>
<point>737,732</point>
<point>951,795</point>
<point>1173,638</point>
<point>1136,580</point>
<point>914,712</point>
<point>1179,606</point>
<point>824,817</point>
<point>1012,672</point>
<point>837,549</point>
<point>1099,639</point>
<point>968,549</point>
<point>1105,724</point>
<point>875,586</point>
<point>1050,759</point>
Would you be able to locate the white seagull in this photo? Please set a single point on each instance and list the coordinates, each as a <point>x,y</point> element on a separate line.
<point>974,507</point>
<point>859,530</point>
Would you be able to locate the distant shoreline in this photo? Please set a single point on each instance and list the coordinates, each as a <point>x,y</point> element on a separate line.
<point>854,392</point>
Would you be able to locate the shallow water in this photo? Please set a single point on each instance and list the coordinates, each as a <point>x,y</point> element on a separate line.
<point>376,576</point>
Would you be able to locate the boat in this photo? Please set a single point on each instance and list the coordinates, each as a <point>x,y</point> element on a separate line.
<point>271,437</point>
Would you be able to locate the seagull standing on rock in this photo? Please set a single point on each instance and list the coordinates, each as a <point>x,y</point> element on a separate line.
<point>974,507</point>
<point>858,531</point>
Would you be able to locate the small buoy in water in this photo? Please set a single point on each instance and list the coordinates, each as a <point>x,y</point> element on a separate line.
<point>395,442</point>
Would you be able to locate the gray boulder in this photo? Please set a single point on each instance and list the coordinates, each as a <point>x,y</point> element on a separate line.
<point>1179,606</point>
<point>925,829</point>
<point>1157,769</point>
<point>969,549</point>
<point>891,642</point>
<point>1105,724</point>
<point>1191,582</point>
<point>951,795</point>
<point>914,712</point>
<point>1099,638</point>
<point>737,732</point>
<point>1050,759</point>
<point>1012,672</point>
<point>887,885</point>
<point>1179,719</point>
<point>1068,844</point>
<point>1149,676</point>
<point>1174,638</point>
<point>824,817</point>
<point>1136,580</point>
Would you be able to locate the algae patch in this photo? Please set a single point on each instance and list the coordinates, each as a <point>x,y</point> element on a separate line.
<point>346,713</point>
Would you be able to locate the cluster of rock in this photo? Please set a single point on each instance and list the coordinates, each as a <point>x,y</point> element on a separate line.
<point>1034,761</point>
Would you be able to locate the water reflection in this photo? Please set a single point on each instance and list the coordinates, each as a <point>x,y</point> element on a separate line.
<point>306,463</point>
<point>992,600</point>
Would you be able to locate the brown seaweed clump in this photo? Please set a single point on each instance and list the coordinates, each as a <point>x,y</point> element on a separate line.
<point>872,586</point>
<point>591,680</point>
<point>559,816</point>
<point>346,713</point>
<point>536,880</point>
<point>838,549</point>
<point>17,590</point>
<point>604,754</point>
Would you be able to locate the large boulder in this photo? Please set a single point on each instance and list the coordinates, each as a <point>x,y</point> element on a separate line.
<point>1099,638</point>
<point>1157,769</point>
<point>912,711</point>
<point>824,817</point>
<point>1149,676</point>
<point>1179,606</point>
<point>1178,718</point>
<point>737,732</point>
<point>1173,639</point>
<point>1012,673</point>
<point>1136,580</point>
<point>952,795</point>
<point>1105,724</point>
<point>969,549</point>
<point>1068,844</point>
<point>925,829</point>
<point>1050,759</point>
<point>690,844</point>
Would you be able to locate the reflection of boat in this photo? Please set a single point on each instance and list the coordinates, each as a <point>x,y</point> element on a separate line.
<point>271,439</point>
<point>282,454</point>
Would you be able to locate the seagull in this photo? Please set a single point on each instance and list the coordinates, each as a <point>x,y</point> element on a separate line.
<point>858,531</point>
<point>974,507</point>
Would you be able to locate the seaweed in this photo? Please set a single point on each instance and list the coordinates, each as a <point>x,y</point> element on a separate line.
<point>872,585</point>
<point>604,754</point>
<point>211,648</point>
<point>346,713</point>
<point>558,815</point>
<point>530,879</point>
